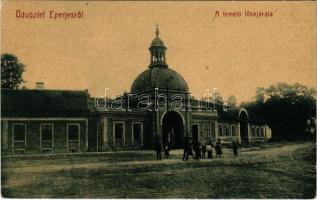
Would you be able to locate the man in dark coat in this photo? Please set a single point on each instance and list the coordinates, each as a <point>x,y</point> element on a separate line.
<point>186,149</point>
<point>235,148</point>
<point>197,151</point>
<point>158,148</point>
<point>203,150</point>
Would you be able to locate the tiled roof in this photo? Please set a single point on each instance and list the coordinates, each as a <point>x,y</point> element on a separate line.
<point>233,114</point>
<point>43,101</point>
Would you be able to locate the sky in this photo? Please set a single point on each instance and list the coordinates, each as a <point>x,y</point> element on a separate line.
<point>108,48</point>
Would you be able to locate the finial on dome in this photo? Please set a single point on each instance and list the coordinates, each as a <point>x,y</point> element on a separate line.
<point>157,49</point>
<point>157,30</point>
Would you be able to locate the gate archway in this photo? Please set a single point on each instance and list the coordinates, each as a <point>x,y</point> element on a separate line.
<point>244,121</point>
<point>172,129</point>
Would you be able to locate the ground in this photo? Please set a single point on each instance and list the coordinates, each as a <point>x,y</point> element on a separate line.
<point>267,171</point>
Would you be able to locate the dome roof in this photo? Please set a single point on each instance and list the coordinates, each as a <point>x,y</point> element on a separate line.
<point>157,42</point>
<point>159,77</point>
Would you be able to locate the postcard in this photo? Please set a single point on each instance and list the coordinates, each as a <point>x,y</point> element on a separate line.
<point>158,99</point>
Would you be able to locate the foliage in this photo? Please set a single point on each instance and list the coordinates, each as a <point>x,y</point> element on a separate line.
<point>11,71</point>
<point>287,109</point>
<point>217,98</point>
<point>232,101</point>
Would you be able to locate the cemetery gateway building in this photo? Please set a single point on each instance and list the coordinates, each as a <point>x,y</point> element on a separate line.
<point>57,121</point>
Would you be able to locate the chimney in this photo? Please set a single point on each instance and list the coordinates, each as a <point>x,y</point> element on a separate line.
<point>39,85</point>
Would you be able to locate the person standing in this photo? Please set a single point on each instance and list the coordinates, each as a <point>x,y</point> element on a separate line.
<point>200,150</point>
<point>196,149</point>
<point>203,150</point>
<point>235,147</point>
<point>218,149</point>
<point>186,149</point>
<point>158,148</point>
<point>166,150</point>
<point>209,150</point>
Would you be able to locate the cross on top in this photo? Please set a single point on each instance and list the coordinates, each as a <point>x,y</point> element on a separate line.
<point>157,30</point>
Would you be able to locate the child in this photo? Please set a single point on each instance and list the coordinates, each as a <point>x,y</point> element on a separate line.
<point>166,150</point>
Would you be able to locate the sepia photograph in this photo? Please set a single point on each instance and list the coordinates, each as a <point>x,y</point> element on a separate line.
<point>158,99</point>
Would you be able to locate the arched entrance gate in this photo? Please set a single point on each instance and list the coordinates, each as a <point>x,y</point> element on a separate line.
<point>243,120</point>
<point>172,129</point>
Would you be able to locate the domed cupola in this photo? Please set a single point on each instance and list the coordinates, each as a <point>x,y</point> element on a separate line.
<point>159,75</point>
<point>158,49</point>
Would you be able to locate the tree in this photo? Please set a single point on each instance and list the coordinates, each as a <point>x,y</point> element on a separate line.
<point>259,97</point>
<point>232,101</point>
<point>286,108</point>
<point>11,71</point>
<point>217,98</point>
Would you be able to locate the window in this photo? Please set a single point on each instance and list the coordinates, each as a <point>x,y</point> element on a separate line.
<point>207,131</point>
<point>233,130</point>
<point>73,132</point>
<point>137,134</point>
<point>220,130</point>
<point>136,131</point>
<point>46,131</point>
<point>262,131</point>
<point>253,131</point>
<point>118,133</point>
<point>73,137</point>
<point>227,133</point>
<point>19,137</point>
<point>257,131</point>
<point>19,132</point>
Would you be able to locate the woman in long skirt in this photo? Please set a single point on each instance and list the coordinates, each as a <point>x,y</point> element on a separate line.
<point>209,150</point>
<point>218,148</point>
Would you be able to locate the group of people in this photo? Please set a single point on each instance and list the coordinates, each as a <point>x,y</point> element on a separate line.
<point>199,149</point>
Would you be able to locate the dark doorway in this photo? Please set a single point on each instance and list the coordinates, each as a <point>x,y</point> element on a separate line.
<point>195,133</point>
<point>173,129</point>
<point>243,120</point>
